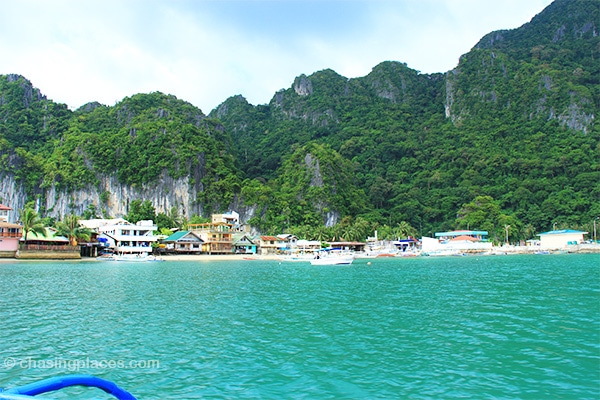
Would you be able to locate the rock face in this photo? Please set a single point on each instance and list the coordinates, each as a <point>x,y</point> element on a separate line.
<point>110,198</point>
<point>12,194</point>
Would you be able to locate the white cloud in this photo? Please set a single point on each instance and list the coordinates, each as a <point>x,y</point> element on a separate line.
<point>205,51</point>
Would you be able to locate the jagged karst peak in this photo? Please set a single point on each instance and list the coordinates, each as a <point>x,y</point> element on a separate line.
<point>89,107</point>
<point>516,120</point>
<point>232,104</point>
<point>561,20</point>
<point>303,86</point>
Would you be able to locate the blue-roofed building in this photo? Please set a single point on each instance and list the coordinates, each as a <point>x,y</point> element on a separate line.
<point>560,239</point>
<point>480,235</point>
<point>456,242</point>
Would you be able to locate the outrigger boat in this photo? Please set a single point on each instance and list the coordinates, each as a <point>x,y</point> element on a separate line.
<point>332,257</point>
<point>61,382</point>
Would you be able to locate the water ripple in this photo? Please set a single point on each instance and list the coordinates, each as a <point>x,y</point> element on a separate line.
<point>497,327</point>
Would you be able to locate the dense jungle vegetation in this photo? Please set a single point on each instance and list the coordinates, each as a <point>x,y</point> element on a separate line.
<point>507,138</point>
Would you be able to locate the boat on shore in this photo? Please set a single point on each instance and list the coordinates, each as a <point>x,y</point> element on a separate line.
<point>298,257</point>
<point>130,257</point>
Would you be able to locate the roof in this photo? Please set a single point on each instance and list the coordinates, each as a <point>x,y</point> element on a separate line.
<point>461,233</point>
<point>562,232</point>
<point>50,236</point>
<point>465,237</point>
<point>409,240</point>
<point>179,235</point>
<point>98,222</point>
<point>269,238</point>
<point>9,225</point>
<point>243,239</point>
<point>3,207</point>
<point>176,236</point>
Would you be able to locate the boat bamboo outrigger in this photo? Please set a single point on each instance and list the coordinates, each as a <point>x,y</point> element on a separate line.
<point>61,382</point>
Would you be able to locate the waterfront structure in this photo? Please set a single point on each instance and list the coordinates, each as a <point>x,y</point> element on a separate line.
<point>217,237</point>
<point>286,242</point>
<point>4,213</point>
<point>409,244</point>
<point>243,244</point>
<point>269,244</point>
<point>348,246</point>
<point>10,233</point>
<point>127,238</point>
<point>49,245</point>
<point>560,239</point>
<point>455,242</point>
<point>185,242</point>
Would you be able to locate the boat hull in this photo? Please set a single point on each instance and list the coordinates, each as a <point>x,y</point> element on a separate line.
<point>332,261</point>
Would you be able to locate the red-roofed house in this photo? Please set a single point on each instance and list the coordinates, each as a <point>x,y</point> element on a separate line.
<point>4,212</point>
<point>268,245</point>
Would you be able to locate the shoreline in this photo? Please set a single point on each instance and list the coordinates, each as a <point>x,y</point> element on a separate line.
<point>274,257</point>
<point>217,257</point>
<point>497,251</point>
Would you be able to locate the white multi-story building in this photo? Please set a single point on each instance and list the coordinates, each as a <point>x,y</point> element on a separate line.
<point>127,238</point>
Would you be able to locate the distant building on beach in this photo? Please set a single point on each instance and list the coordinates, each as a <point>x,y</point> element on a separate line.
<point>561,239</point>
<point>10,234</point>
<point>446,243</point>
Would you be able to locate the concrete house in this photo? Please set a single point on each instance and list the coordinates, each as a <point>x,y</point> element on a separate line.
<point>561,239</point>
<point>10,234</point>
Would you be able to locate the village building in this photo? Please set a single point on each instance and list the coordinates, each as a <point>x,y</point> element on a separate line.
<point>408,245</point>
<point>560,239</point>
<point>183,242</point>
<point>243,244</point>
<point>217,237</point>
<point>123,237</point>
<point>454,242</point>
<point>49,245</point>
<point>349,246</point>
<point>230,217</point>
<point>4,213</point>
<point>10,234</point>
<point>286,242</point>
<point>269,245</point>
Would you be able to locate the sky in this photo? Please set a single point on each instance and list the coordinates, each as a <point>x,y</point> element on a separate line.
<point>205,51</point>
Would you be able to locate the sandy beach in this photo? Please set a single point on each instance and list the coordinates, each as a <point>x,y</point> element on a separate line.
<point>218,257</point>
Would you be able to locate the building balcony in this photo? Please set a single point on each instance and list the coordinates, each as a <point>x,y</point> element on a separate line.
<point>133,249</point>
<point>18,235</point>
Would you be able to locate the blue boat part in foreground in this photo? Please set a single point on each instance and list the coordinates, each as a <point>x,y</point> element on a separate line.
<point>60,382</point>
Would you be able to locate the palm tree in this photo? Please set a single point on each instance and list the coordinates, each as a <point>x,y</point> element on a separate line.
<point>404,230</point>
<point>71,228</point>
<point>32,223</point>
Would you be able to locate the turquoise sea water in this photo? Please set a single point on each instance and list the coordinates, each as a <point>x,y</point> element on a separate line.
<point>498,327</point>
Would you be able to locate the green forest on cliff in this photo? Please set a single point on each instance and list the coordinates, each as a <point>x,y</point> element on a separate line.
<point>509,137</point>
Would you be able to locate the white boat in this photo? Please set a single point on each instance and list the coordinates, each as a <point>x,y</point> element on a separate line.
<point>298,257</point>
<point>142,257</point>
<point>332,257</point>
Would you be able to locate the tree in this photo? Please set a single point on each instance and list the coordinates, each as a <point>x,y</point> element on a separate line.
<point>481,213</point>
<point>31,223</point>
<point>140,211</point>
<point>71,228</point>
<point>404,230</point>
